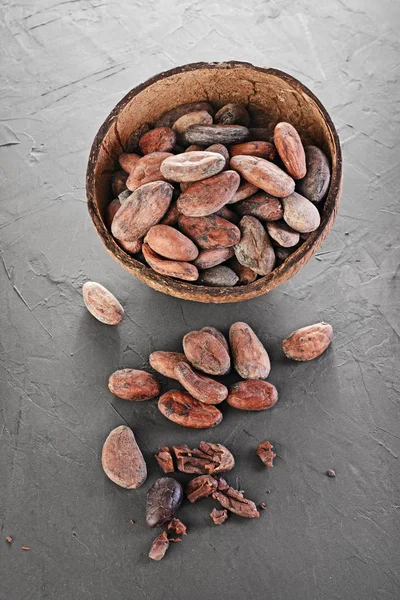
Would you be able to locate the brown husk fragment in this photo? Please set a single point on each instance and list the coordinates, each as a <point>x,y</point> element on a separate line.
<point>264,451</point>
<point>235,501</point>
<point>207,459</point>
<point>165,460</point>
<point>201,487</point>
<point>159,547</point>
<point>219,516</point>
<point>177,527</point>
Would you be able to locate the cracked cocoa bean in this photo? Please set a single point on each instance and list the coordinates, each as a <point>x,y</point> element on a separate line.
<point>234,501</point>
<point>165,460</point>
<point>207,459</point>
<point>177,527</point>
<point>163,499</point>
<point>201,487</point>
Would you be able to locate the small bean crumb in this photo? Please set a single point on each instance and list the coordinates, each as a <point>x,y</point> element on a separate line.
<point>331,473</point>
<point>25,548</point>
<point>132,522</point>
<point>262,506</point>
<point>9,539</point>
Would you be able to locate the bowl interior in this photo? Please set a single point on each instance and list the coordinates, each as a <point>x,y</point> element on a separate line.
<point>284,99</point>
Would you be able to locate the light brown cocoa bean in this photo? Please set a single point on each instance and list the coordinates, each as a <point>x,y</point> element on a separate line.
<point>220,276</point>
<point>264,451</point>
<point>216,134</point>
<point>245,275</point>
<point>250,358</point>
<point>210,232</point>
<point>147,170</point>
<point>218,335</point>
<point>122,459</point>
<point>118,182</point>
<point>161,139</point>
<point>133,384</point>
<point>245,190</point>
<point>128,162</point>
<point>201,487</point>
<point>199,386</point>
<point>232,114</point>
<point>112,210</point>
<point>199,117</point>
<point>252,394</point>
<point>181,408</point>
<point>171,243</point>
<point>171,268</point>
<point>262,206</point>
<point>290,149</point>
<point>220,149</point>
<point>256,148</point>
<point>309,342</point>
<point>264,174</point>
<point>284,235</point>
<point>169,118</point>
<point>206,352</point>
<point>165,460</point>
<point>300,214</point>
<point>159,547</point>
<point>211,258</point>
<point>166,362</point>
<point>205,197</point>
<point>143,209</point>
<point>132,143</point>
<point>254,250</point>
<point>102,304</point>
<point>316,182</point>
<point>131,247</point>
<point>192,166</point>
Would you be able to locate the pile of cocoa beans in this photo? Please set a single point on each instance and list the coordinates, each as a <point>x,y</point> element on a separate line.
<point>206,197</point>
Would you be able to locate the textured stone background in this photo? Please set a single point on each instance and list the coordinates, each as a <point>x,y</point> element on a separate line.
<point>65,64</point>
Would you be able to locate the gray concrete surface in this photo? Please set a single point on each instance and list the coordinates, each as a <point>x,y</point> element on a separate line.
<point>65,64</point>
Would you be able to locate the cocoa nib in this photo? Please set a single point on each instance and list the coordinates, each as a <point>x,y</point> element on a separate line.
<point>177,527</point>
<point>207,459</point>
<point>201,487</point>
<point>165,460</point>
<point>234,501</point>
<point>264,451</point>
<point>219,516</point>
<point>159,547</point>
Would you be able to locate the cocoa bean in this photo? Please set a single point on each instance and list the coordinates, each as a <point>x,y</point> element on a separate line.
<point>220,276</point>
<point>219,516</point>
<point>206,353</point>
<point>202,388</point>
<point>132,143</point>
<point>118,182</point>
<point>261,205</point>
<point>147,170</point>
<point>171,216</point>
<point>102,304</point>
<point>205,197</point>
<point>112,210</point>
<point>166,362</point>
<point>200,117</point>
<point>181,408</point>
<point>300,214</point>
<point>129,162</point>
<point>235,501</point>
<point>244,274</point>
<point>284,235</point>
<point>309,342</point>
<point>254,250</point>
<point>143,209</point>
<point>171,268</point>
<point>256,148</point>
<point>216,134</point>
<point>163,499</point>
<point>132,384</point>
<point>122,459</point>
<point>210,232</point>
<point>219,149</point>
<point>250,358</point>
<point>161,139</point>
<point>131,247</point>
<point>316,182</point>
<point>264,174</point>
<point>245,190</point>
<point>165,460</point>
<point>211,258</point>
<point>232,114</point>
<point>169,118</point>
<point>207,459</point>
<point>171,243</point>
<point>252,394</point>
<point>192,166</point>
<point>290,149</point>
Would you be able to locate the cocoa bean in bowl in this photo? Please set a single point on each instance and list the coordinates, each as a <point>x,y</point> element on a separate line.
<point>189,192</point>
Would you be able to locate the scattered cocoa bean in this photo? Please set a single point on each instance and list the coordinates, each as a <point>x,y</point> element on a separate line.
<point>102,304</point>
<point>209,195</point>
<point>216,134</point>
<point>161,139</point>
<point>232,114</point>
<point>202,388</point>
<point>171,243</point>
<point>300,214</point>
<point>250,358</point>
<point>159,547</point>
<point>290,149</point>
<point>181,408</point>
<point>206,353</point>
<point>165,460</point>
<point>163,499</point>
<point>254,250</point>
<point>253,394</point>
<point>219,516</point>
<point>309,342</point>
<point>172,268</point>
<point>122,459</point>
<point>263,174</point>
<point>220,276</point>
<point>9,539</point>
<point>201,487</point>
<point>284,235</point>
<point>316,182</point>
<point>264,451</point>
<point>210,232</point>
<point>192,166</point>
<point>166,362</point>
<point>132,384</point>
<point>143,209</point>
